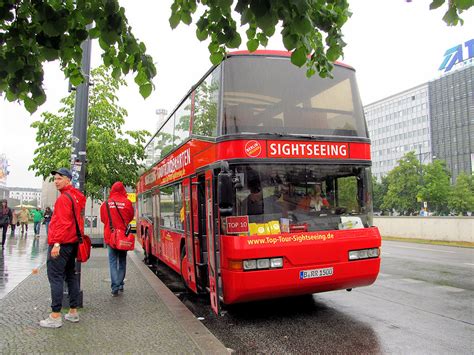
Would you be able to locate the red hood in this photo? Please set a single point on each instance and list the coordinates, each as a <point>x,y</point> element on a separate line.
<point>118,190</point>
<point>80,198</point>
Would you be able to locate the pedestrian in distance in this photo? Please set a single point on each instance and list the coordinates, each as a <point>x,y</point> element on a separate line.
<point>37,219</point>
<point>62,249</point>
<point>48,213</point>
<point>121,214</point>
<point>14,223</point>
<point>23,217</point>
<point>5,218</point>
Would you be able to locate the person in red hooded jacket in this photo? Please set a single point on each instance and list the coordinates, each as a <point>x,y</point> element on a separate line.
<point>121,213</point>
<point>62,250</point>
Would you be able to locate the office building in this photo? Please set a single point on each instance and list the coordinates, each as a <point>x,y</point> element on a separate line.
<point>397,125</point>
<point>452,120</point>
<point>25,194</point>
<point>434,119</point>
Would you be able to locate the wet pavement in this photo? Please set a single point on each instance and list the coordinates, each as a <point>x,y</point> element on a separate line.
<point>422,303</point>
<point>21,256</point>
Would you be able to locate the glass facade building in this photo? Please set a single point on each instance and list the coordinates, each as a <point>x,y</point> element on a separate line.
<point>435,120</point>
<point>452,119</point>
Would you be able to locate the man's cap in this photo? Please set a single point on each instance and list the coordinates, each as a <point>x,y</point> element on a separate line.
<point>63,172</point>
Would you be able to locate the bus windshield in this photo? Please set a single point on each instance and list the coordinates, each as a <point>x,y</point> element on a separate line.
<point>314,197</point>
<point>271,95</point>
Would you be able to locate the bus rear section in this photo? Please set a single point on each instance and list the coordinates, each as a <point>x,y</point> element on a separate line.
<point>297,229</point>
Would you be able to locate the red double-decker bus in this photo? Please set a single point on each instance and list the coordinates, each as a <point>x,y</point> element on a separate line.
<point>259,183</point>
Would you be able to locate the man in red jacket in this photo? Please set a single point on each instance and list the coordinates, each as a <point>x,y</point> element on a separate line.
<point>62,250</point>
<point>121,214</point>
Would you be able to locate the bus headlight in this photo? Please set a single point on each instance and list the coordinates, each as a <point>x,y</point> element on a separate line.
<point>276,263</point>
<point>264,263</point>
<point>364,254</point>
<point>250,264</point>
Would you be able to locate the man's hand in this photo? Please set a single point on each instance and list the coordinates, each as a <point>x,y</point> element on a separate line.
<point>55,251</point>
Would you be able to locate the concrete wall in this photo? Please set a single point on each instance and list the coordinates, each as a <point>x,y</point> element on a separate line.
<point>459,229</point>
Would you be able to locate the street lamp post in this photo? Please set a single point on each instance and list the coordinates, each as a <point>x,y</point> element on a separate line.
<point>79,133</point>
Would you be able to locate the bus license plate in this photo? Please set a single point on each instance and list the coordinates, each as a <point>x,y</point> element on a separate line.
<point>310,274</point>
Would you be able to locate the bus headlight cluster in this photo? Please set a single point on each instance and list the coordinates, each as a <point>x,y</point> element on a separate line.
<point>257,264</point>
<point>364,254</point>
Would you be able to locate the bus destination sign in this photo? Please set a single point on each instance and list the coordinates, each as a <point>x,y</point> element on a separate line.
<point>322,150</point>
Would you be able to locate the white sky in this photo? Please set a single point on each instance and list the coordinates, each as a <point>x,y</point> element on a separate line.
<point>392,44</point>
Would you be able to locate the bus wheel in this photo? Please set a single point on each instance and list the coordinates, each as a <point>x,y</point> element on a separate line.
<point>148,258</point>
<point>183,279</point>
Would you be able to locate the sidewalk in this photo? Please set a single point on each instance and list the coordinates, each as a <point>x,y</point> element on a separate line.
<point>146,318</point>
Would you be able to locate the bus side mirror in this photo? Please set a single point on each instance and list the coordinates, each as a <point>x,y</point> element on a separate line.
<point>225,190</point>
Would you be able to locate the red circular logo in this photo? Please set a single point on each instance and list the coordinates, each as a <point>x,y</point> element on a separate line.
<point>253,149</point>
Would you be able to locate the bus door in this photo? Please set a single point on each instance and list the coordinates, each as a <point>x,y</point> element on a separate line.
<point>198,210</point>
<point>188,268</point>
<point>156,223</point>
<point>211,244</point>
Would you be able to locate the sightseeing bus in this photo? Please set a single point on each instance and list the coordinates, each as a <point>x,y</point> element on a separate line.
<point>259,184</point>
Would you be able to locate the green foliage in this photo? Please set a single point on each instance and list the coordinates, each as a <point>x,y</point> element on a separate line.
<point>33,32</point>
<point>379,190</point>
<point>461,199</point>
<point>112,154</point>
<point>455,8</point>
<point>311,28</point>
<point>347,193</point>
<point>403,186</point>
<point>435,186</point>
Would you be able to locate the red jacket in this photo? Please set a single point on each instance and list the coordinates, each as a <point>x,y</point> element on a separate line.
<point>118,194</point>
<point>62,228</point>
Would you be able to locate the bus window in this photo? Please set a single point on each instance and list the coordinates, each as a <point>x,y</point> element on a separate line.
<point>287,102</point>
<point>205,105</point>
<point>171,207</point>
<point>145,206</point>
<point>182,122</point>
<point>165,138</point>
<point>315,196</point>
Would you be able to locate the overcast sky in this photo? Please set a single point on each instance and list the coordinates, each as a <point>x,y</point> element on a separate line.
<point>393,45</point>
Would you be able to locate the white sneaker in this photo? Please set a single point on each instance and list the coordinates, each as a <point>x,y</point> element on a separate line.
<point>51,322</point>
<point>72,317</point>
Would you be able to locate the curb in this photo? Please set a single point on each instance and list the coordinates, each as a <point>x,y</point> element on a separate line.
<point>199,334</point>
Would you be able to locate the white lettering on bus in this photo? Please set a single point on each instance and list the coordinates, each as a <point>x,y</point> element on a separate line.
<point>178,162</point>
<point>309,149</point>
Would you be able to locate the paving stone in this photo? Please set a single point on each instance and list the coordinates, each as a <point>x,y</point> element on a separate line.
<point>137,321</point>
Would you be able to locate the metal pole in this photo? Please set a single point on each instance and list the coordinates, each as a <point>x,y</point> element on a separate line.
<point>79,132</point>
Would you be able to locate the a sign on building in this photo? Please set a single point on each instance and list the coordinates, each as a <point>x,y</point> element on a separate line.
<point>458,54</point>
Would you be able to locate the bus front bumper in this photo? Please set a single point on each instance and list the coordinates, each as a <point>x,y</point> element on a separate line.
<point>244,286</point>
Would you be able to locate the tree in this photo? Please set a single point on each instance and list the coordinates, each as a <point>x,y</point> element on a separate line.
<point>435,186</point>
<point>33,32</point>
<point>110,154</point>
<point>403,185</point>
<point>461,199</point>
<point>379,190</point>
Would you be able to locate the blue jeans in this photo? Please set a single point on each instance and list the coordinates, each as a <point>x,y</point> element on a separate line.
<point>37,226</point>
<point>47,227</point>
<point>118,268</point>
